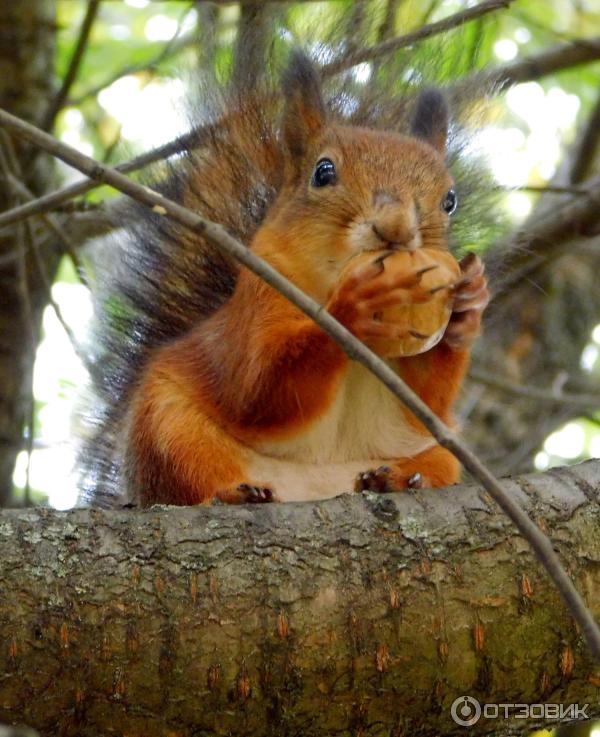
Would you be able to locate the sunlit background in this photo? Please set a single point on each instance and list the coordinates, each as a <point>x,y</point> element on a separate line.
<point>143,109</point>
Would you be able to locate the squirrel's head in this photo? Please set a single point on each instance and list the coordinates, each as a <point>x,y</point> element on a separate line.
<point>348,189</point>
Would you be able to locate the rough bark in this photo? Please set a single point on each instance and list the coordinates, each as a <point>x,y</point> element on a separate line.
<point>363,615</point>
<point>26,62</point>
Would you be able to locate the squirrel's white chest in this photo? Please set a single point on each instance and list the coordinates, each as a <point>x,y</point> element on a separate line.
<point>364,421</point>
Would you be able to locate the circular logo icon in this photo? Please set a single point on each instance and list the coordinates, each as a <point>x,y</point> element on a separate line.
<point>466,711</point>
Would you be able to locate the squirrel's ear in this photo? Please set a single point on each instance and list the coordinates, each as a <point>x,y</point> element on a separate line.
<point>430,119</point>
<point>304,114</point>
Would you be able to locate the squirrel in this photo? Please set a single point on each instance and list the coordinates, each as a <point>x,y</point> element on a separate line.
<point>214,385</point>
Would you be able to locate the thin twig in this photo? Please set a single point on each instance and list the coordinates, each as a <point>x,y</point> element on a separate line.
<point>257,2</point>
<point>172,48</point>
<point>206,31</point>
<point>251,44</point>
<point>354,30</point>
<point>217,236</point>
<point>74,64</point>
<point>536,66</point>
<point>541,239</point>
<point>47,282</point>
<point>69,247</point>
<point>20,190</point>
<point>386,29</point>
<point>175,44</point>
<point>112,146</point>
<point>584,401</point>
<point>585,150</point>
<point>555,59</point>
<point>543,188</point>
<point>394,44</point>
<point>52,200</point>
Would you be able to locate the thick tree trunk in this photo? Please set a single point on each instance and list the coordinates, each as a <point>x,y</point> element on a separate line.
<point>363,615</point>
<point>27,32</point>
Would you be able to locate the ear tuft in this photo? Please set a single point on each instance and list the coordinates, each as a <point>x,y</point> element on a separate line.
<point>430,119</point>
<point>304,115</point>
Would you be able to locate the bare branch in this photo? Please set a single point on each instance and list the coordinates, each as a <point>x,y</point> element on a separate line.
<point>541,238</point>
<point>555,59</point>
<point>10,170</point>
<point>208,16</point>
<point>542,189</point>
<point>354,30</point>
<point>56,307</point>
<point>217,236</point>
<point>561,57</point>
<point>52,200</point>
<point>253,2</point>
<point>553,395</point>
<point>171,49</point>
<point>74,64</point>
<point>69,247</point>
<point>432,29</point>
<point>586,147</point>
<point>99,222</point>
<point>250,53</point>
<point>386,29</point>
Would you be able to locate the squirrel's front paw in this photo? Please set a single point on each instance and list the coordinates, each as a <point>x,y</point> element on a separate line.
<point>471,297</point>
<point>367,290</point>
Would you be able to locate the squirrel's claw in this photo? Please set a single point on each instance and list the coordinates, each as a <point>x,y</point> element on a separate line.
<point>471,297</point>
<point>377,480</point>
<point>385,480</point>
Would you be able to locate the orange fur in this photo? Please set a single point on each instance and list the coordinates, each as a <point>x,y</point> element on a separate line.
<point>437,466</point>
<point>258,387</point>
<point>436,376</point>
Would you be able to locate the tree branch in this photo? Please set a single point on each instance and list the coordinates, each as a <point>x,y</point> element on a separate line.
<point>555,59</point>
<point>366,614</point>
<point>68,245</point>
<point>394,44</point>
<point>251,44</point>
<point>386,29</point>
<point>21,190</point>
<point>220,238</point>
<point>541,189</point>
<point>586,147</point>
<point>541,238</point>
<point>560,57</point>
<point>554,396</point>
<point>74,64</point>
<point>52,200</point>
<point>171,48</point>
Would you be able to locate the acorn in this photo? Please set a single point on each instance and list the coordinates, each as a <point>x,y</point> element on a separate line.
<point>425,322</point>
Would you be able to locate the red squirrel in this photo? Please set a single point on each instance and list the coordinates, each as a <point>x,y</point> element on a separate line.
<point>253,402</point>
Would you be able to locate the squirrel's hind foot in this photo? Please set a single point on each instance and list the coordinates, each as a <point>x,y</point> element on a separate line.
<point>384,480</point>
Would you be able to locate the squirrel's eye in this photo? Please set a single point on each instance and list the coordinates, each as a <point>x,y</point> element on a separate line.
<point>324,173</point>
<point>450,202</point>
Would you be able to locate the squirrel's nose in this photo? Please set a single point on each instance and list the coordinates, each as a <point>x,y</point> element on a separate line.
<point>396,225</point>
